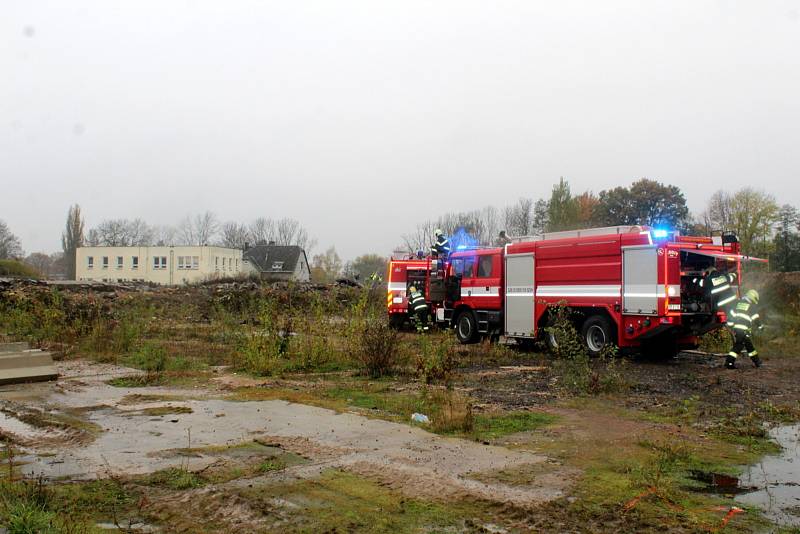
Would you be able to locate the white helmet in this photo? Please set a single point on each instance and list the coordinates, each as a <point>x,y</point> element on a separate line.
<point>438,232</point>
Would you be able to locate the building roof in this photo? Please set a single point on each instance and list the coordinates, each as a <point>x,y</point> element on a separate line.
<point>275,258</point>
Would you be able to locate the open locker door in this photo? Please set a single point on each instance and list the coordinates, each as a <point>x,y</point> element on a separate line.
<point>519,296</point>
<point>640,289</point>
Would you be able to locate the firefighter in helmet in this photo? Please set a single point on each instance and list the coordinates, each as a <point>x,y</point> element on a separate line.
<point>418,308</point>
<point>441,248</point>
<point>503,239</point>
<point>741,320</point>
<point>719,287</point>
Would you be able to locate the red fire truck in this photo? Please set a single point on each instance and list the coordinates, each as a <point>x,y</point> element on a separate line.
<point>631,286</point>
<point>402,274</point>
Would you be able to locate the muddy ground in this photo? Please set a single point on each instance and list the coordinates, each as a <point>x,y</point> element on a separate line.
<point>84,428</point>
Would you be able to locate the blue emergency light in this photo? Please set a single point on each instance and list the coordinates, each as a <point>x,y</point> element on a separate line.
<point>660,233</point>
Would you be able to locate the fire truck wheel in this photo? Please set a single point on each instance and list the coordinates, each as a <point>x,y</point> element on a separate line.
<point>467,328</point>
<point>597,334</point>
<point>397,321</point>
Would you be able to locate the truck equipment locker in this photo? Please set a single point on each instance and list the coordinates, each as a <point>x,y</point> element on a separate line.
<point>640,280</point>
<point>519,297</point>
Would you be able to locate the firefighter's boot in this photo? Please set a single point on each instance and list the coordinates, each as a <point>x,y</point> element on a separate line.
<point>755,359</point>
<point>730,362</point>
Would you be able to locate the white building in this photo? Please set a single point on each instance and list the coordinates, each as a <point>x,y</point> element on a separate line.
<point>160,265</point>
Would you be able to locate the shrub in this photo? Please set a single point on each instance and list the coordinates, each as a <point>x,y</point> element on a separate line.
<point>436,359</point>
<point>17,269</point>
<point>454,413</point>
<point>376,349</point>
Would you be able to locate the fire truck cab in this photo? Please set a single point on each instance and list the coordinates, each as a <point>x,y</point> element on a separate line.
<point>631,286</point>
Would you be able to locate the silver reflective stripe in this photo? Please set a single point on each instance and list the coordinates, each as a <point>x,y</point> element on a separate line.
<point>720,289</point>
<point>754,317</point>
<point>578,291</point>
<point>741,327</point>
<point>727,300</point>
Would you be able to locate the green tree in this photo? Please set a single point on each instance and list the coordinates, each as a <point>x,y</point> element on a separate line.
<point>10,247</point>
<point>645,202</point>
<point>365,265</point>
<point>325,268</point>
<point>72,238</point>
<point>753,215</point>
<point>786,255</point>
<point>563,208</point>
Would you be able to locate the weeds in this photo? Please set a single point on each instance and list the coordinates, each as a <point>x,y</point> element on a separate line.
<point>376,351</point>
<point>436,358</point>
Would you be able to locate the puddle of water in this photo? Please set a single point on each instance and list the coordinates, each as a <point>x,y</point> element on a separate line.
<point>22,430</point>
<point>778,478</point>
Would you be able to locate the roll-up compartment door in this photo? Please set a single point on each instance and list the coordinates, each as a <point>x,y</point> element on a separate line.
<point>519,295</point>
<point>640,280</point>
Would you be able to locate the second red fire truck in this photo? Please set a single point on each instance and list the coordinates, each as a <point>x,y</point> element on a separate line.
<point>630,286</point>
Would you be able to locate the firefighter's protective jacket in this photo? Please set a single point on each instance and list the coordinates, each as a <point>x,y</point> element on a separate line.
<point>442,246</point>
<point>720,288</point>
<point>744,316</point>
<point>416,302</point>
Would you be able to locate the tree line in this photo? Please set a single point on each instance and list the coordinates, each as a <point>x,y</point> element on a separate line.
<point>765,229</point>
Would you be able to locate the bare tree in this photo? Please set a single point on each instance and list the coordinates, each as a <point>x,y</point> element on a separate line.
<point>198,230</point>
<point>165,235</point>
<point>92,238</point>
<point>10,247</point>
<point>421,238</point>
<point>111,233</point>
<point>139,233</point>
<point>518,219</point>
<point>72,239</point>
<point>234,235</point>
<point>41,262</point>
<point>291,232</point>
<point>262,230</point>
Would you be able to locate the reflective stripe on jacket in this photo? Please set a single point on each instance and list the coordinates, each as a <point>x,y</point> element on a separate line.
<point>417,302</point>
<point>743,315</point>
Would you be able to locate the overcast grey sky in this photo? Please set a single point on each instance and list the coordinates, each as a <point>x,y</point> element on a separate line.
<point>337,112</point>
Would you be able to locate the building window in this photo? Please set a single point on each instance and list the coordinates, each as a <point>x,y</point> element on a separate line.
<point>181,264</point>
<point>120,262</point>
<point>90,262</point>
<point>277,265</point>
<point>159,262</point>
<point>105,262</point>
<point>216,263</point>
<point>195,262</point>
<point>134,262</point>
<point>237,264</point>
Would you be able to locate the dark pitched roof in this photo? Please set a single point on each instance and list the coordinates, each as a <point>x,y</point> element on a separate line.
<point>275,258</point>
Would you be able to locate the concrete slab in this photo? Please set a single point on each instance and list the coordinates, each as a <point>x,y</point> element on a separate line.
<point>14,347</point>
<point>26,366</point>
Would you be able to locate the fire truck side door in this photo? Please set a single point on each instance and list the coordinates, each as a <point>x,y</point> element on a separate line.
<point>519,295</point>
<point>640,280</point>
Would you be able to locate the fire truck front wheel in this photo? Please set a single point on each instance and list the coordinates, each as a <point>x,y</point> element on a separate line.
<point>597,333</point>
<point>467,328</point>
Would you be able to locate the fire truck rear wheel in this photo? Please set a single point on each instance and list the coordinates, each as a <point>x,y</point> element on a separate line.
<point>467,328</point>
<point>597,334</point>
<point>397,321</point>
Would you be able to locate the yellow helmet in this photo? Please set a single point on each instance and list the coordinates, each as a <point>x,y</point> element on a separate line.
<point>752,296</point>
<point>412,289</point>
